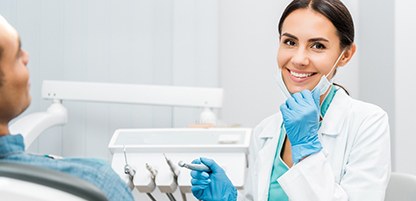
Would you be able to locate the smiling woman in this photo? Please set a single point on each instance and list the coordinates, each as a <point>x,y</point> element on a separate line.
<point>323,144</point>
<point>305,56</point>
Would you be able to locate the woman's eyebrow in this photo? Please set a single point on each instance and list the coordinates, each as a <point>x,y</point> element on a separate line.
<point>310,40</point>
<point>290,35</point>
<point>318,39</point>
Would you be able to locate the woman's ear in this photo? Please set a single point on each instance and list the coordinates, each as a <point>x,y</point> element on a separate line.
<point>347,55</point>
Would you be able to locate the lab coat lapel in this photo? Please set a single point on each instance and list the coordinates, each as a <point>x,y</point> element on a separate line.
<point>337,112</point>
<point>266,156</point>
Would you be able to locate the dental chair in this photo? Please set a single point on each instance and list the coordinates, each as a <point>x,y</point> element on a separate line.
<point>402,187</point>
<point>21,182</point>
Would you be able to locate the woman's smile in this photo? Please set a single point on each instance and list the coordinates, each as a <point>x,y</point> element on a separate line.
<point>300,76</point>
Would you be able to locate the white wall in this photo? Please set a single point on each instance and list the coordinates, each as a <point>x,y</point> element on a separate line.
<point>377,68</point>
<point>248,49</point>
<point>405,71</point>
<point>232,44</point>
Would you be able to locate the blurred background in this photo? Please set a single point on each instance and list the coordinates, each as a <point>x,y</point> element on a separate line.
<point>205,43</point>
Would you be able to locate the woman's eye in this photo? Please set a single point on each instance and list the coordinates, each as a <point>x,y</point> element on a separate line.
<point>289,42</point>
<point>319,46</point>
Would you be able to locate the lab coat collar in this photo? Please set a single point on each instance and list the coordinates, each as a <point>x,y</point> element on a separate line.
<point>272,130</point>
<point>268,138</point>
<point>336,114</point>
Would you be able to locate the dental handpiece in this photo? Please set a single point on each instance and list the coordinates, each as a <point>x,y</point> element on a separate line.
<point>197,167</point>
<point>128,170</point>
<point>153,172</point>
<point>172,167</point>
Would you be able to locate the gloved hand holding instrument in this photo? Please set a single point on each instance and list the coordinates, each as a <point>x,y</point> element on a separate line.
<point>212,185</point>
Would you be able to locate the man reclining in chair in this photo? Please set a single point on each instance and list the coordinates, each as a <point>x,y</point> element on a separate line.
<point>15,98</point>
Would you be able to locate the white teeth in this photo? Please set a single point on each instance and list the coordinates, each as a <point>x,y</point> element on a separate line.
<point>300,75</point>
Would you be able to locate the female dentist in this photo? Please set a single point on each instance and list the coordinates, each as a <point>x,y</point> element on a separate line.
<point>323,145</point>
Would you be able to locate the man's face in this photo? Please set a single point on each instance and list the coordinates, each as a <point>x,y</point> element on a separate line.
<point>14,88</point>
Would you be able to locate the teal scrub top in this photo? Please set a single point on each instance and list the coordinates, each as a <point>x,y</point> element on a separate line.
<point>279,167</point>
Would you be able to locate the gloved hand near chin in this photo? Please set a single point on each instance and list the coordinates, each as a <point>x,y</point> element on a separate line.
<point>301,121</point>
<point>214,185</point>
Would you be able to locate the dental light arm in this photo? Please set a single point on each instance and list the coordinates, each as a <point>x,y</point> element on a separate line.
<point>133,93</point>
<point>202,97</point>
<point>32,125</point>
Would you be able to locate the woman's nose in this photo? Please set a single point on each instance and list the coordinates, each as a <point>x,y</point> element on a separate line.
<point>300,58</point>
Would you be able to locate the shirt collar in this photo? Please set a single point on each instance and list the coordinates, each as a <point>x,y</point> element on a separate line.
<point>11,144</point>
<point>327,101</point>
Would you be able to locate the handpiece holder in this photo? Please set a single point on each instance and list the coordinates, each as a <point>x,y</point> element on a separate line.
<point>227,146</point>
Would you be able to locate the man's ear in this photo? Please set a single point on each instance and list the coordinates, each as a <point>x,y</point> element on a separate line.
<point>347,55</point>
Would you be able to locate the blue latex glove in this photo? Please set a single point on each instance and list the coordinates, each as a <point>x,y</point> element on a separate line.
<point>301,121</point>
<point>214,185</point>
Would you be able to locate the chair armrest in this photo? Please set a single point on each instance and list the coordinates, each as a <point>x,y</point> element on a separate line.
<point>54,179</point>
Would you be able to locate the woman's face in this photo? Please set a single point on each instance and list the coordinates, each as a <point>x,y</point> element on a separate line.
<point>309,47</point>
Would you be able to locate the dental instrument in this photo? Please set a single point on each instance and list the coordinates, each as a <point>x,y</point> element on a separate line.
<point>172,167</point>
<point>197,167</point>
<point>175,172</point>
<point>170,196</point>
<point>128,170</point>
<point>153,174</point>
<point>178,144</point>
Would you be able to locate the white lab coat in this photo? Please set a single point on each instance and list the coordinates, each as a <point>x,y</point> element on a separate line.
<point>354,164</point>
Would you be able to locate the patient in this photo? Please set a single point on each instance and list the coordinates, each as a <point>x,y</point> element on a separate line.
<point>15,98</point>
